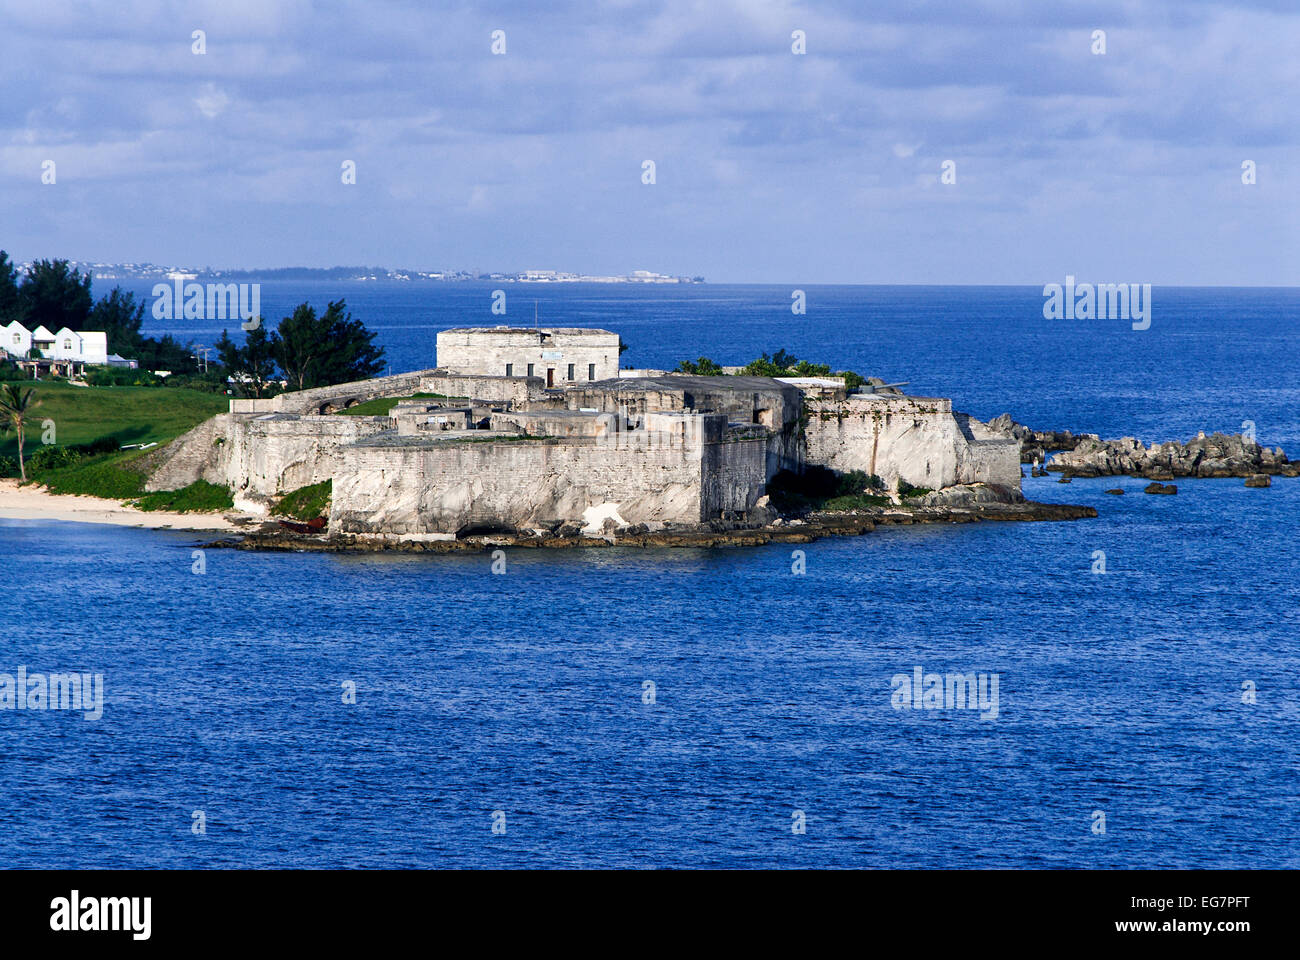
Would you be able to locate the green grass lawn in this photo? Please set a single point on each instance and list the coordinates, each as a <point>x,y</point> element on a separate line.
<point>82,415</point>
<point>131,414</point>
<point>111,476</point>
<point>381,405</point>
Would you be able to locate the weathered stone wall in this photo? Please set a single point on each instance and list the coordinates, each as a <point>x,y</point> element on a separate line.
<point>733,475</point>
<point>443,487</point>
<point>338,397</point>
<point>506,391</point>
<point>912,438</point>
<point>279,453</point>
<point>488,350</point>
<point>555,423</point>
<point>260,456</point>
<point>746,400</point>
<point>917,439</point>
<point>986,456</point>
<point>199,454</point>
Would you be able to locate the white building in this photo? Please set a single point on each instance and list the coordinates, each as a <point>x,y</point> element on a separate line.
<point>558,355</point>
<point>87,346</point>
<point>16,340</point>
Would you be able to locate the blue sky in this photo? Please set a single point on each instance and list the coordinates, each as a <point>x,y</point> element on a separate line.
<point>769,166</point>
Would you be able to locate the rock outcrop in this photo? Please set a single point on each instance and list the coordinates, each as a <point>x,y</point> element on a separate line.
<point>970,495</point>
<point>1217,455</point>
<point>1034,444</point>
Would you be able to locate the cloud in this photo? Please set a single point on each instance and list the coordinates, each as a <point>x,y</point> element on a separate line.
<point>211,101</point>
<point>821,166</point>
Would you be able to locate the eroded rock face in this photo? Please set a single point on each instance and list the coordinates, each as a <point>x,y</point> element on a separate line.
<point>971,494</point>
<point>1217,455</point>
<point>1034,444</point>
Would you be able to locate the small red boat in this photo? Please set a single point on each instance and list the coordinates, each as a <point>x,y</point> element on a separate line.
<point>314,525</point>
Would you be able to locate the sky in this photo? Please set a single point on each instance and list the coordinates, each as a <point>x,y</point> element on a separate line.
<point>769,165</point>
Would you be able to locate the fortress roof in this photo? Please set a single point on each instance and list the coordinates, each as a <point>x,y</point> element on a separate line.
<point>691,382</point>
<point>533,331</point>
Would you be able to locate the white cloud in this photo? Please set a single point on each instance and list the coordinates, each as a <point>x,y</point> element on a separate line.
<point>212,102</point>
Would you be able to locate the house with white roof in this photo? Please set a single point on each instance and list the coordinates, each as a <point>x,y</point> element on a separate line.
<point>67,348</point>
<point>16,341</point>
<point>85,347</point>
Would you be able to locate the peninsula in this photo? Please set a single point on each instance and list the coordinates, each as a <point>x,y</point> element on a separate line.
<point>532,435</point>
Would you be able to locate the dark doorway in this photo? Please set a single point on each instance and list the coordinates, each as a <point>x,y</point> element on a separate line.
<point>550,376</point>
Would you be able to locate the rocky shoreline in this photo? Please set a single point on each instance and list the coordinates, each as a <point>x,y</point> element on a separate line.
<point>799,530</point>
<point>1087,455</point>
<point>1035,445</point>
<point>1217,455</point>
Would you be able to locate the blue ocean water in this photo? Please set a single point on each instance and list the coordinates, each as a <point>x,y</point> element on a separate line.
<point>524,693</point>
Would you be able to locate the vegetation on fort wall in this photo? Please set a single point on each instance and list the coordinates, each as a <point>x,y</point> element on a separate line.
<point>819,488</point>
<point>779,364</point>
<point>908,492</point>
<point>199,497</point>
<point>306,503</point>
<point>380,406</point>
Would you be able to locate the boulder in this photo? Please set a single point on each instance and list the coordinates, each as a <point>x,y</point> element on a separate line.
<point>1259,480</point>
<point>1166,488</point>
<point>1216,455</point>
<point>1116,492</point>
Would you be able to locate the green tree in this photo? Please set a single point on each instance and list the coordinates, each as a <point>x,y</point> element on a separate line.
<point>55,294</point>
<point>10,309</point>
<point>15,404</point>
<point>166,353</point>
<point>119,316</point>
<point>317,351</point>
<point>252,366</point>
<point>703,367</point>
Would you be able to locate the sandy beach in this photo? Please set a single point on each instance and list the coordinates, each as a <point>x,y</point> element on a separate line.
<point>35,503</point>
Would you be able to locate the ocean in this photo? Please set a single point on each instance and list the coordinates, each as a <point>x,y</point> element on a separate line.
<point>624,707</point>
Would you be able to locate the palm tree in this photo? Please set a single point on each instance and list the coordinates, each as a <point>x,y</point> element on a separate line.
<point>15,403</point>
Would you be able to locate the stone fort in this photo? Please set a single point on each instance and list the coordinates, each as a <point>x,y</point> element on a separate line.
<point>526,428</point>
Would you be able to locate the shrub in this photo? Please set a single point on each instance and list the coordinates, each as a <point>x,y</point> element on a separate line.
<point>306,503</point>
<point>121,377</point>
<point>53,458</point>
<point>100,446</point>
<point>906,490</point>
<point>703,367</point>
<point>8,467</point>
<point>199,497</point>
<point>821,489</point>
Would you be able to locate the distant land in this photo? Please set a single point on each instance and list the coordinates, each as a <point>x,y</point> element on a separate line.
<point>152,271</point>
